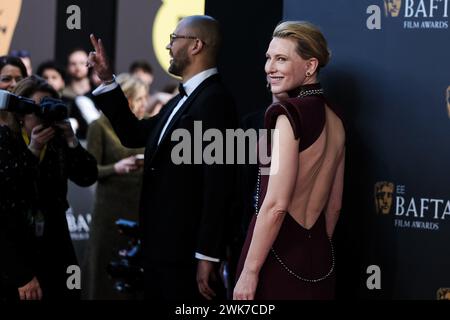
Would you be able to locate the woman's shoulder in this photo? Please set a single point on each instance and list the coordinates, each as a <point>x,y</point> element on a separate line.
<point>100,125</point>
<point>102,122</point>
<point>287,109</point>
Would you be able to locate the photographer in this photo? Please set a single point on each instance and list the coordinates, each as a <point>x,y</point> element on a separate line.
<point>53,155</point>
<point>18,167</point>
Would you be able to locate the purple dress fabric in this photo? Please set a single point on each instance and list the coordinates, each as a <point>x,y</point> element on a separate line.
<point>307,253</point>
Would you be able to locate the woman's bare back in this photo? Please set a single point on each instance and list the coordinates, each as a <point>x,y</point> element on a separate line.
<point>319,179</point>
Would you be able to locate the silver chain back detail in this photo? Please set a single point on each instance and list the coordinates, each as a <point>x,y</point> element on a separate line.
<point>289,270</point>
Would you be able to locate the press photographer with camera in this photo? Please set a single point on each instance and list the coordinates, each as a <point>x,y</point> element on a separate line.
<point>17,169</point>
<point>39,153</point>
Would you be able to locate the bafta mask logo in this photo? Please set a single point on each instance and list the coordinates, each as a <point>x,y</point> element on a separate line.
<point>384,193</point>
<point>443,294</point>
<point>167,17</point>
<point>9,15</point>
<point>448,100</point>
<point>392,7</point>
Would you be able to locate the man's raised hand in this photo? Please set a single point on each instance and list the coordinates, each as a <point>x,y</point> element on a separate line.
<point>99,61</point>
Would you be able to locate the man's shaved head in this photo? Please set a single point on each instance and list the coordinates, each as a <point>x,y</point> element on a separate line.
<point>206,29</point>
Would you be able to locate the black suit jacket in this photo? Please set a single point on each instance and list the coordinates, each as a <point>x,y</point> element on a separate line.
<point>183,208</point>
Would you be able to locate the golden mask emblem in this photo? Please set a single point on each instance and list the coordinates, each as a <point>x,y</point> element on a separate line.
<point>392,7</point>
<point>443,294</point>
<point>384,194</point>
<point>166,20</point>
<point>447,96</point>
<point>9,15</point>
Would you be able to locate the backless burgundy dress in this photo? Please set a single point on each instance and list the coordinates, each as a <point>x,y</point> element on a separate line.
<point>300,264</point>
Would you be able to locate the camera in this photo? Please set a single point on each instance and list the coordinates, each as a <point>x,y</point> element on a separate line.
<point>128,270</point>
<point>50,110</point>
<point>16,104</point>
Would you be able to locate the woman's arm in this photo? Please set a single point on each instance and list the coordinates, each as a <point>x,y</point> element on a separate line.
<point>284,168</point>
<point>95,145</point>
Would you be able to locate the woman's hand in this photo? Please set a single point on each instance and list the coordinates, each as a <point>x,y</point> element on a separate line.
<point>246,286</point>
<point>31,291</point>
<point>39,137</point>
<point>126,165</point>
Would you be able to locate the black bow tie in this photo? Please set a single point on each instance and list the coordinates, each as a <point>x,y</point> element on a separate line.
<point>181,90</point>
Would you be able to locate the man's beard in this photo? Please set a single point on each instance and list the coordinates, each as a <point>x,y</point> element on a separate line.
<point>179,63</point>
<point>77,77</point>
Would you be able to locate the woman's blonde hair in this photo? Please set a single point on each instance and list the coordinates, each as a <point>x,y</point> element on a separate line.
<point>310,41</point>
<point>130,85</point>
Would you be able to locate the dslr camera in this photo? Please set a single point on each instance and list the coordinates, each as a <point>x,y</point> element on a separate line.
<point>50,110</point>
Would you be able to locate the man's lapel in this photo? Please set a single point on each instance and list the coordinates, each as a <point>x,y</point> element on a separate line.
<point>185,107</point>
<point>154,137</point>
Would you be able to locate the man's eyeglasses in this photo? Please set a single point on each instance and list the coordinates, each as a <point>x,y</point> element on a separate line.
<point>174,36</point>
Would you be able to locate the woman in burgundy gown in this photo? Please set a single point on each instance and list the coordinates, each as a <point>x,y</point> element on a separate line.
<point>288,253</point>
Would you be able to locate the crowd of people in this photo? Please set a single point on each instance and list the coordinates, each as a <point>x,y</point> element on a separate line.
<point>195,242</point>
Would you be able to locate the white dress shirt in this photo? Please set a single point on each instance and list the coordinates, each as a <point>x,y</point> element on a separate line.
<point>189,86</point>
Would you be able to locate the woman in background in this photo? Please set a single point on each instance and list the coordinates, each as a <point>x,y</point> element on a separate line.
<point>117,194</point>
<point>12,70</point>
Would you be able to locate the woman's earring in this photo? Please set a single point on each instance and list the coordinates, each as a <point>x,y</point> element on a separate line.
<point>308,74</point>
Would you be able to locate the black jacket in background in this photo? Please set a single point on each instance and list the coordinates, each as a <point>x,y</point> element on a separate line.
<point>26,187</point>
<point>56,251</point>
<point>18,168</point>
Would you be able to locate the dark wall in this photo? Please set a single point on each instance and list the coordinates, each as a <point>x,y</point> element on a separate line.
<point>247,29</point>
<point>35,31</point>
<point>98,17</point>
<point>134,39</point>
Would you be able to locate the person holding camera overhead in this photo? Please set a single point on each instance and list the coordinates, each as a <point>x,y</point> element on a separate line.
<point>39,153</point>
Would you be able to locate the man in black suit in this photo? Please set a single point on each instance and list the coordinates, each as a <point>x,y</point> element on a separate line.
<point>184,208</point>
